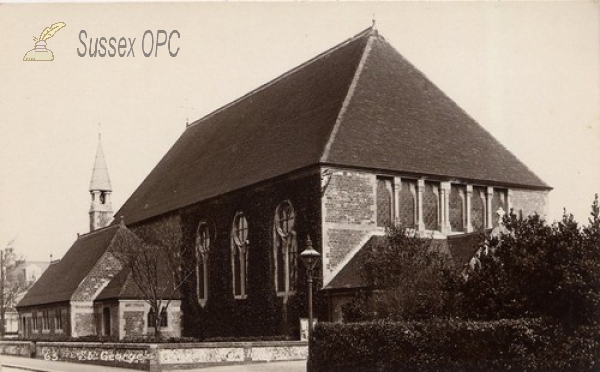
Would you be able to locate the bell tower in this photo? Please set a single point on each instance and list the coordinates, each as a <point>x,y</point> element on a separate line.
<point>101,212</point>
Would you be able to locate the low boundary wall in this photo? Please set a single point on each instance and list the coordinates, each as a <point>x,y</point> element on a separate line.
<point>156,357</point>
<point>17,348</point>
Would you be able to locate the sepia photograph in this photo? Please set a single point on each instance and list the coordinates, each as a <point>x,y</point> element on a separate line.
<point>300,186</point>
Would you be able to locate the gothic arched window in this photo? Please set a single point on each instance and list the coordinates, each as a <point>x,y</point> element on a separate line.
<point>202,252</point>
<point>239,255</point>
<point>285,250</point>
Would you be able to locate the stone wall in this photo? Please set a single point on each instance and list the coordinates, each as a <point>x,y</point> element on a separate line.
<point>210,354</point>
<point>135,356</point>
<point>159,357</point>
<point>17,348</point>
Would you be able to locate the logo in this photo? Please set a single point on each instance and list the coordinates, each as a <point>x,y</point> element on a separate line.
<point>40,52</point>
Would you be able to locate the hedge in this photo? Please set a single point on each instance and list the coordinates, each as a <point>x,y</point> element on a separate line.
<point>454,345</point>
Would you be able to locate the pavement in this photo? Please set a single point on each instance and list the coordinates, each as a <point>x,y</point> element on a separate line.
<point>21,364</point>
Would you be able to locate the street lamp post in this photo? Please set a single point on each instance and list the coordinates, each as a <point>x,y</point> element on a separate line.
<point>309,258</point>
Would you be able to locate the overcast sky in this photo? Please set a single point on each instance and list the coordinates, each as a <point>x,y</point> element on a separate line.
<point>527,72</point>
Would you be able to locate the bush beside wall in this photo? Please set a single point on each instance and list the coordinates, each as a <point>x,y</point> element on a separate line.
<point>454,345</point>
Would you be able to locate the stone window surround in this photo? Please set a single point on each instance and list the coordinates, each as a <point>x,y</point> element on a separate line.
<point>203,240</point>
<point>239,242</point>
<point>444,204</point>
<point>289,240</point>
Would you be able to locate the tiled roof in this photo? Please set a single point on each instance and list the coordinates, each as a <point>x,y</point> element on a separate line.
<point>123,287</point>
<point>351,275</point>
<point>399,120</point>
<point>463,247</point>
<point>359,104</point>
<point>460,248</point>
<point>61,279</point>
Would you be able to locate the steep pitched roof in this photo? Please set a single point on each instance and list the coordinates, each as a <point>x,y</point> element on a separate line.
<point>359,104</point>
<point>463,247</point>
<point>351,275</point>
<point>61,279</point>
<point>459,248</point>
<point>123,287</point>
<point>399,120</point>
<point>100,180</point>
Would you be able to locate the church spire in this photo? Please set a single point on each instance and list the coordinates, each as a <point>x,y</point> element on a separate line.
<point>101,212</point>
<point>100,179</point>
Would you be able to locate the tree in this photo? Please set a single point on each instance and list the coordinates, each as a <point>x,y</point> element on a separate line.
<point>405,276</point>
<point>539,270</point>
<point>12,282</point>
<point>153,256</point>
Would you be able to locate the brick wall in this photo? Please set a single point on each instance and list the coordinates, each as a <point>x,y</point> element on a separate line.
<point>349,215</point>
<point>134,319</point>
<point>133,323</point>
<point>349,209</point>
<point>528,202</point>
<point>349,198</point>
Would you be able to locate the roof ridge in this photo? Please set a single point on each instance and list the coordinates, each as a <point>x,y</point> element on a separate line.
<point>366,32</point>
<point>349,95</point>
<point>102,229</point>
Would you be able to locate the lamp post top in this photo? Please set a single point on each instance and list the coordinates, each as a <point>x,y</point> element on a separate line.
<point>310,256</point>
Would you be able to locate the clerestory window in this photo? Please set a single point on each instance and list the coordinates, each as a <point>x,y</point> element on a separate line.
<point>385,201</point>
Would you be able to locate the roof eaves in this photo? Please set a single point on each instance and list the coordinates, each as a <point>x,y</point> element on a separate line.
<point>440,177</point>
<point>368,31</point>
<point>349,95</point>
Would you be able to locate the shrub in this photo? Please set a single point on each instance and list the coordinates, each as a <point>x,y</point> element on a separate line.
<point>405,275</point>
<point>539,270</point>
<point>453,345</point>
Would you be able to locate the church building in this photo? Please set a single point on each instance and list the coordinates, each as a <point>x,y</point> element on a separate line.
<point>337,149</point>
<point>88,292</point>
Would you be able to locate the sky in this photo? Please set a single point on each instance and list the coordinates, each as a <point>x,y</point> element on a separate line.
<point>528,72</point>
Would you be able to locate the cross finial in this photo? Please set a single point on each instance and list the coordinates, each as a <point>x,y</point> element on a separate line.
<point>374,26</point>
<point>99,131</point>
